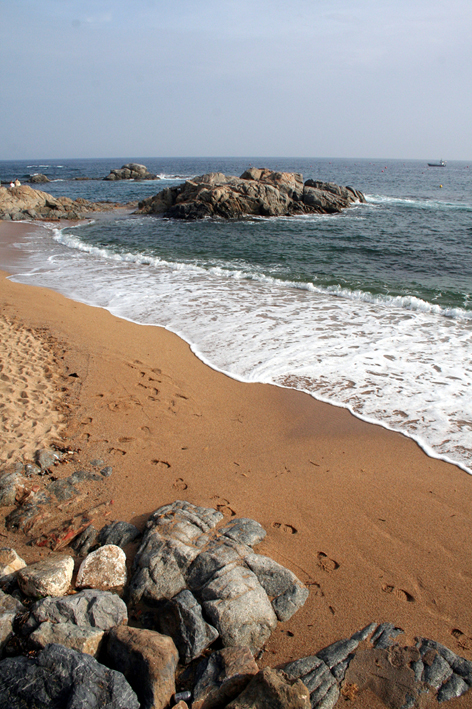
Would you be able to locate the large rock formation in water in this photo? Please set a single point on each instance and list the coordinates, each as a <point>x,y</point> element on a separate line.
<point>18,203</point>
<point>131,171</point>
<point>258,192</point>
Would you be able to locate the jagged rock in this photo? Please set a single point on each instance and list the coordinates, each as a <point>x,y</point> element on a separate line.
<point>239,608</point>
<point>454,687</point>
<point>118,533</point>
<point>182,619</point>
<point>131,171</point>
<point>258,192</point>
<point>60,677</point>
<point>148,660</point>
<point>222,677</point>
<point>38,177</point>
<point>104,568</point>
<point>272,689</point>
<point>50,577</point>
<point>244,530</point>
<point>182,548</point>
<point>287,592</point>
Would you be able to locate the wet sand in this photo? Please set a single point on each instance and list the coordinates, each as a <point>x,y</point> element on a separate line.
<point>377,529</point>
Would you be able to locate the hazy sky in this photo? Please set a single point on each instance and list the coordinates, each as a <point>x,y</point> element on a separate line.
<point>312,78</point>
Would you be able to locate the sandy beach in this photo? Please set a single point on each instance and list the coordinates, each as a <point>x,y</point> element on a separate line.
<point>377,529</point>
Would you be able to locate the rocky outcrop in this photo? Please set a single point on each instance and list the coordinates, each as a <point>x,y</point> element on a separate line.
<point>235,593</point>
<point>24,202</point>
<point>38,179</point>
<point>258,192</point>
<point>131,171</point>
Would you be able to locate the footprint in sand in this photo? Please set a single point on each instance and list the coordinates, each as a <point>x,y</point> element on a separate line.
<point>180,484</point>
<point>399,593</point>
<point>161,463</point>
<point>464,642</point>
<point>327,564</point>
<point>116,451</point>
<point>223,506</point>
<point>285,528</point>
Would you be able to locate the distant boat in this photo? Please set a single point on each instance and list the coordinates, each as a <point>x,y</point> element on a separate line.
<point>441,163</point>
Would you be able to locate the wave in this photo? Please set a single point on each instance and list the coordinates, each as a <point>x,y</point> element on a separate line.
<point>375,199</point>
<point>243,272</point>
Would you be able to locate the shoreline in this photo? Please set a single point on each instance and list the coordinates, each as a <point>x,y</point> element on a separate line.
<point>379,530</point>
<point>426,447</point>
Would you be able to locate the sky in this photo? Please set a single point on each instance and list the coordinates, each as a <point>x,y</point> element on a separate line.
<point>265,78</point>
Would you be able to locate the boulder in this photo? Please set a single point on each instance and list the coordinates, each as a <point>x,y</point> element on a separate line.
<point>222,677</point>
<point>183,551</point>
<point>131,171</point>
<point>258,192</point>
<point>272,689</point>
<point>104,568</point>
<point>148,660</point>
<point>38,178</point>
<point>60,677</point>
<point>50,577</point>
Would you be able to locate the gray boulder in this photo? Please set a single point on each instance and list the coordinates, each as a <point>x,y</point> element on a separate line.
<point>60,677</point>
<point>286,591</point>
<point>118,533</point>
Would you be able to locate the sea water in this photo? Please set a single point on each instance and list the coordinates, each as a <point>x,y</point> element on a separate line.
<point>370,309</point>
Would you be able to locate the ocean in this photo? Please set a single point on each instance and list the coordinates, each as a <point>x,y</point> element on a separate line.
<point>370,309</point>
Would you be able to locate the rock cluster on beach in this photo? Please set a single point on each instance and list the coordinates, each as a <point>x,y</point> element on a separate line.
<point>131,171</point>
<point>24,202</point>
<point>186,624</point>
<point>258,192</point>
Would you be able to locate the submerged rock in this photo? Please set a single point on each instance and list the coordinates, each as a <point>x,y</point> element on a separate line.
<point>258,192</point>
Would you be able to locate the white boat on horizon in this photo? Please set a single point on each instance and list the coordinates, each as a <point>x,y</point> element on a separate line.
<point>441,163</point>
